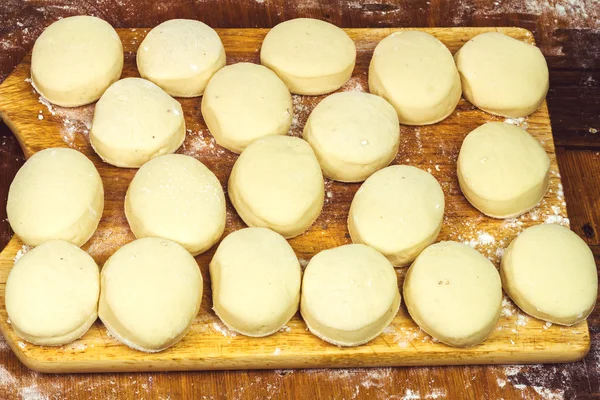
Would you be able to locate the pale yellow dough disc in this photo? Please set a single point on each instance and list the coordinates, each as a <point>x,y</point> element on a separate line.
<point>176,197</point>
<point>57,194</point>
<point>353,135</point>
<point>75,59</point>
<point>502,170</point>
<point>244,102</point>
<point>550,273</point>
<point>255,279</point>
<point>454,294</point>
<point>135,121</point>
<point>151,291</point>
<point>52,294</point>
<point>398,211</point>
<point>311,56</point>
<point>180,56</point>
<point>277,183</point>
<point>416,73</point>
<point>349,295</point>
<point>503,75</point>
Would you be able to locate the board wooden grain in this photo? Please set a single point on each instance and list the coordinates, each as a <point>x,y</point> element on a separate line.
<point>209,345</point>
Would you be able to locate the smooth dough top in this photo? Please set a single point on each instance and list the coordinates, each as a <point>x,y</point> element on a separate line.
<point>176,197</point>
<point>73,53</point>
<point>135,120</point>
<point>553,270</point>
<point>355,274</point>
<point>500,161</point>
<point>397,207</point>
<point>179,49</point>
<point>455,292</point>
<point>55,190</point>
<point>354,127</point>
<point>151,291</point>
<point>279,179</point>
<point>258,277</point>
<point>503,75</point>
<point>52,291</point>
<point>243,102</point>
<point>416,69</point>
<point>307,48</point>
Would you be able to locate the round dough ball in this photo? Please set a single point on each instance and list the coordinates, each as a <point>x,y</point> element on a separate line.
<point>311,56</point>
<point>135,121</point>
<point>151,293</point>
<point>75,59</point>
<point>177,198</point>
<point>349,295</point>
<point>415,72</point>
<point>57,194</point>
<point>353,135</point>
<point>244,102</point>
<point>550,273</point>
<point>255,278</point>
<point>277,183</point>
<point>398,211</point>
<point>180,56</point>
<point>502,75</point>
<point>454,294</point>
<point>502,170</point>
<point>52,294</point>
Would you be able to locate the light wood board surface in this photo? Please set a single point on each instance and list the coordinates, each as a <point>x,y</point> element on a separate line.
<point>209,345</point>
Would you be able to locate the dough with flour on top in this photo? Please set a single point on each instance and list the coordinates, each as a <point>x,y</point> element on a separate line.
<point>180,56</point>
<point>349,295</point>
<point>151,291</point>
<point>255,278</point>
<point>176,197</point>
<point>75,59</point>
<point>550,273</point>
<point>277,183</point>
<point>353,135</point>
<point>244,102</point>
<point>503,75</point>
<point>311,56</point>
<point>135,121</point>
<point>416,73</point>
<point>52,294</point>
<point>57,194</point>
<point>502,170</point>
<point>454,294</point>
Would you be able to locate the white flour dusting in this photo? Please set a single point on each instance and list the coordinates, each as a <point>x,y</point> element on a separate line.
<point>22,251</point>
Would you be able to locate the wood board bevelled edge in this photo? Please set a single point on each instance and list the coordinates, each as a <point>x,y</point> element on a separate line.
<point>298,349</point>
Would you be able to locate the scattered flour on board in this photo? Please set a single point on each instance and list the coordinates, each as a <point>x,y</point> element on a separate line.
<point>74,121</point>
<point>22,251</point>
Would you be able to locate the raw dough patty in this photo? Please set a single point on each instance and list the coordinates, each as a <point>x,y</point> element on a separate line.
<point>502,75</point>
<point>52,294</point>
<point>277,183</point>
<point>176,197</point>
<point>550,273</point>
<point>415,72</point>
<point>57,194</point>
<point>180,56</point>
<point>244,102</point>
<point>255,278</point>
<point>454,294</point>
<point>151,293</point>
<point>311,56</point>
<point>398,211</point>
<point>75,59</point>
<point>134,121</point>
<point>353,135</point>
<point>349,295</point>
<point>502,170</point>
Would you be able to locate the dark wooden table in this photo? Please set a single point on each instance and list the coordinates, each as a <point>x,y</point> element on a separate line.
<point>568,32</point>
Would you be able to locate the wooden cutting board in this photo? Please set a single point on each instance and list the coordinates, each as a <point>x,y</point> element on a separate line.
<point>209,345</point>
